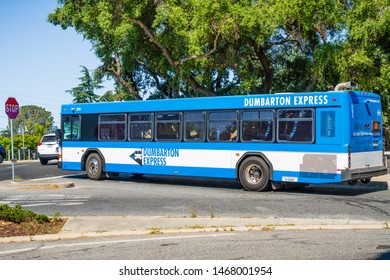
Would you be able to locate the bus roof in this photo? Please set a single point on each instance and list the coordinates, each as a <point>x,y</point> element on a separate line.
<point>260,101</point>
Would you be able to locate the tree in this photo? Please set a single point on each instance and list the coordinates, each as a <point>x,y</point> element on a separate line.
<point>30,125</point>
<point>134,42</point>
<point>177,48</point>
<point>85,91</point>
<point>33,120</point>
<point>366,53</point>
<point>206,47</point>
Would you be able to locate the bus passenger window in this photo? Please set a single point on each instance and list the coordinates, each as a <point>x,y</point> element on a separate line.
<point>112,127</point>
<point>140,127</point>
<point>258,126</point>
<point>195,126</point>
<point>168,126</point>
<point>222,126</point>
<point>296,125</point>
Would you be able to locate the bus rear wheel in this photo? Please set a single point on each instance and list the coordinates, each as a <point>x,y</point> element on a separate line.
<point>94,167</point>
<point>254,174</point>
<point>365,181</point>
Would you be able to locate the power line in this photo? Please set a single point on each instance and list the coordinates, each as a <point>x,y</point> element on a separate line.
<point>28,96</point>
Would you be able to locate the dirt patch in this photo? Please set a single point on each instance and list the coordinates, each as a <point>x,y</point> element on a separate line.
<point>47,187</point>
<point>8,229</point>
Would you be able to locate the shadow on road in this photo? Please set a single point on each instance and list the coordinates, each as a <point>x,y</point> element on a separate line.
<point>384,256</point>
<point>341,189</point>
<point>183,181</point>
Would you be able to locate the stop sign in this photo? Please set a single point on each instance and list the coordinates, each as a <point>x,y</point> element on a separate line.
<point>12,108</point>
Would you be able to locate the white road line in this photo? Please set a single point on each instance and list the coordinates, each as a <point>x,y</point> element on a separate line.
<point>113,242</point>
<point>38,204</point>
<point>46,199</point>
<point>134,240</point>
<point>17,166</point>
<point>18,251</point>
<point>55,177</point>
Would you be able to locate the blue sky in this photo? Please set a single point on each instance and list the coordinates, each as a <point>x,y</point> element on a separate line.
<point>38,61</point>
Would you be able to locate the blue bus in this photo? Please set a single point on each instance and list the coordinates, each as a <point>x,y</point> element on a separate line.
<point>263,141</point>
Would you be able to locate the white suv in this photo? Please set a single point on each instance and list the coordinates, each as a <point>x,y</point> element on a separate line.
<point>48,148</point>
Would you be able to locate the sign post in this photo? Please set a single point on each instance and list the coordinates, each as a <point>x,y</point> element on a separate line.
<point>12,111</point>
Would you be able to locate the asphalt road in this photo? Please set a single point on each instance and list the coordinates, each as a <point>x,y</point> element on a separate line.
<point>27,170</point>
<point>167,196</point>
<point>256,245</point>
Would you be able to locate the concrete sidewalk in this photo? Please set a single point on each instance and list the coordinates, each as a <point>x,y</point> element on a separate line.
<point>103,226</point>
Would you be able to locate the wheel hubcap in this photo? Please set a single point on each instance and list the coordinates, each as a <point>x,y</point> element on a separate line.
<point>253,174</point>
<point>93,166</point>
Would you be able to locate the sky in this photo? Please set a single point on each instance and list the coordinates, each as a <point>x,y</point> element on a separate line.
<point>39,61</point>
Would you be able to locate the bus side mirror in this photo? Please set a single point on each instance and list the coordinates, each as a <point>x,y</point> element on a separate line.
<point>58,134</point>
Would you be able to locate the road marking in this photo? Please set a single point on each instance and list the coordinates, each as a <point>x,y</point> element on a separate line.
<point>16,166</point>
<point>45,200</point>
<point>113,242</point>
<point>18,251</point>
<point>55,177</point>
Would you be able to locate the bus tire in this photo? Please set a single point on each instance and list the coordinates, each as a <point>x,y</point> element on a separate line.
<point>94,167</point>
<point>365,181</point>
<point>277,186</point>
<point>254,174</point>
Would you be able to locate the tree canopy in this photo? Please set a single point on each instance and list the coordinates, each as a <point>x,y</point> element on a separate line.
<point>33,120</point>
<point>174,48</point>
<point>29,126</point>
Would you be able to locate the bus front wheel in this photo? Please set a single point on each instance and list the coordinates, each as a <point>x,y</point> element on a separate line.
<point>94,167</point>
<point>254,174</point>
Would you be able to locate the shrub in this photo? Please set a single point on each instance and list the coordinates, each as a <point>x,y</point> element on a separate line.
<point>40,218</point>
<point>17,215</point>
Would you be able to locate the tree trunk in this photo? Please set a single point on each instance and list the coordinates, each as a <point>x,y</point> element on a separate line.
<point>265,63</point>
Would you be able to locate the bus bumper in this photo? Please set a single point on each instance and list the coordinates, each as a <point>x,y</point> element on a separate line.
<point>364,173</point>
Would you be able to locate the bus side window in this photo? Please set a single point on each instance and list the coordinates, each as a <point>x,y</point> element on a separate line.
<point>112,127</point>
<point>296,125</point>
<point>195,126</point>
<point>141,127</point>
<point>168,126</point>
<point>258,126</point>
<point>222,126</point>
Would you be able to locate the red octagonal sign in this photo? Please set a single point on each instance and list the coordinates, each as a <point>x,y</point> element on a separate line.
<point>12,108</point>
